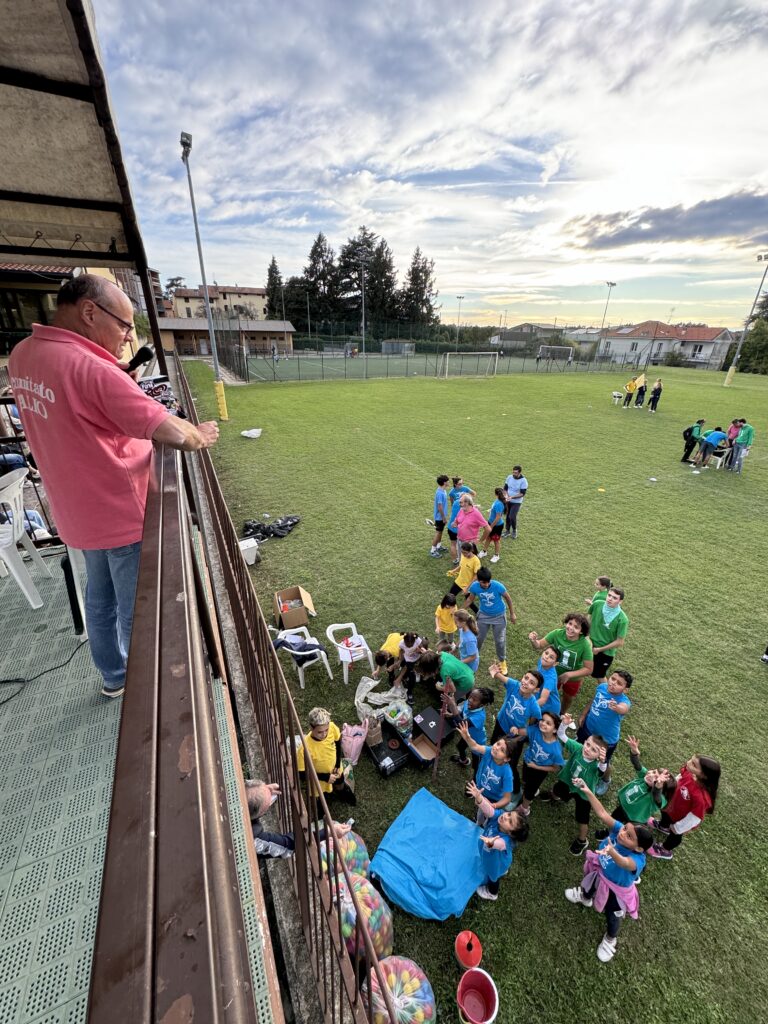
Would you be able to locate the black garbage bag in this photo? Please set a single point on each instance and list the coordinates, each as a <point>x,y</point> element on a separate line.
<point>278,528</point>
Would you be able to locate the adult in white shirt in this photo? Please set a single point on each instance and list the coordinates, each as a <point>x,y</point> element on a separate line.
<point>516,486</point>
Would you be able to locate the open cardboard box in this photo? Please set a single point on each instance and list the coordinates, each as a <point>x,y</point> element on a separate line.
<point>293,617</point>
<point>422,748</point>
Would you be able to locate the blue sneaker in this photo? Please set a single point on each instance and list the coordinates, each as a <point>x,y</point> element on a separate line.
<point>602,787</point>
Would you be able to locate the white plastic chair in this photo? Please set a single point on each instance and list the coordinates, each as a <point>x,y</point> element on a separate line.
<point>13,533</point>
<point>349,654</point>
<point>318,658</point>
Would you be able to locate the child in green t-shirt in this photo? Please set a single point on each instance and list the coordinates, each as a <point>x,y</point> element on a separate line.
<point>646,795</point>
<point>602,585</point>
<point>583,761</point>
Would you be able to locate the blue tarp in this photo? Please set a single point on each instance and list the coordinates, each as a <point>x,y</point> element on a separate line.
<point>429,861</point>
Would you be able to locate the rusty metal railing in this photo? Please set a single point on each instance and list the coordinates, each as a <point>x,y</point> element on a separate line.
<point>340,978</point>
<point>170,941</point>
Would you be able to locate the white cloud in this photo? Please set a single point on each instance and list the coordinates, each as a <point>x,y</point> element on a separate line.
<point>476,133</point>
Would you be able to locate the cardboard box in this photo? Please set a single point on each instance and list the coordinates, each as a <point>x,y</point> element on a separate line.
<point>300,607</point>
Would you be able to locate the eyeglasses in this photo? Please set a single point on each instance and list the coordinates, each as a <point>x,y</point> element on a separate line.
<point>128,327</point>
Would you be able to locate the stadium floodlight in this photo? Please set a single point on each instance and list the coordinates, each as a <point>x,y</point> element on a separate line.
<point>218,386</point>
<point>458,321</point>
<point>762,258</point>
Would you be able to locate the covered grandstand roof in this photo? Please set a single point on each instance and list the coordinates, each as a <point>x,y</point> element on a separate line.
<point>64,195</point>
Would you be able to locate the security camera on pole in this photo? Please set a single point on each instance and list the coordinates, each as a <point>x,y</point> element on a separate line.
<point>762,258</point>
<point>218,386</point>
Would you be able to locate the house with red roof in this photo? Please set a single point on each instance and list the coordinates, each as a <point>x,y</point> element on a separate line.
<point>650,342</point>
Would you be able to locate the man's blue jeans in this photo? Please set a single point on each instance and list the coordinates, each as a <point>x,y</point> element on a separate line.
<point>109,600</point>
<point>736,456</point>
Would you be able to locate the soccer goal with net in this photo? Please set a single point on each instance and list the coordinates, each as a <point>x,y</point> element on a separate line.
<point>468,364</point>
<point>558,353</point>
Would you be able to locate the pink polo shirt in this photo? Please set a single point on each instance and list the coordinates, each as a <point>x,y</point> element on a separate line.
<point>89,428</point>
<point>469,523</point>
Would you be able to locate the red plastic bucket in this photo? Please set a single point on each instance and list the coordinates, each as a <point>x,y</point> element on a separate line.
<point>477,997</point>
<point>468,950</point>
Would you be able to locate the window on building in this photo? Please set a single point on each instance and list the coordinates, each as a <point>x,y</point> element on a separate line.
<point>659,346</point>
<point>633,347</point>
<point>697,350</point>
<point>189,311</point>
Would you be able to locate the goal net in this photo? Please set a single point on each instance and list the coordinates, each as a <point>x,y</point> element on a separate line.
<point>560,353</point>
<point>468,364</point>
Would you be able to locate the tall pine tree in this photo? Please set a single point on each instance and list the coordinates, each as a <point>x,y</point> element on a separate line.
<point>274,290</point>
<point>363,245</point>
<point>321,276</point>
<point>417,298</point>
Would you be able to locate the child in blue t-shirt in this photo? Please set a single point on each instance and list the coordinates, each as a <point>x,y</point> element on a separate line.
<point>612,872</point>
<point>548,695</point>
<point>543,756</point>
<point>502,832</point>
<point>469,652</point>
<point>519,708</point>
<point>603,717</point>
<point>494,775</point>
<point>439,516</point>
<point>495,524</point>
<point>471,711</point>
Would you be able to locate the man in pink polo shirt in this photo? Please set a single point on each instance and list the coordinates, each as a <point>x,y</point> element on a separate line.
<point>91,431</point>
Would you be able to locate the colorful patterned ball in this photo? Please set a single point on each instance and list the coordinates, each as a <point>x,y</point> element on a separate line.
<point>376,914</point>
<point>352,850</point>
<point>411,993</point>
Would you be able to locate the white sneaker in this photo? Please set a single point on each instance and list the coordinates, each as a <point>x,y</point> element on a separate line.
<point>606,951</point>
<point>481,554</point>
<point>576,895</point>
<point>495,558</point>
<point>485,893</point>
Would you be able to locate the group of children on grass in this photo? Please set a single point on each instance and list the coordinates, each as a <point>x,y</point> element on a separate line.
<point>529,742</point>
<point>455,511</point>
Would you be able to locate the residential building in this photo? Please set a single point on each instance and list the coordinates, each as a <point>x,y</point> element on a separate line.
<point>523,335</point>
<point>191,337</point>
<point>225,299</point>
<point>652,341</point>
<point>130,282</point>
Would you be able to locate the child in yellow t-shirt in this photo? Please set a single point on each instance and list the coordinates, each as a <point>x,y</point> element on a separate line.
<point>466,572</point>
<point>323,743</point>
<point>388,657</point>
<point>445,624</point>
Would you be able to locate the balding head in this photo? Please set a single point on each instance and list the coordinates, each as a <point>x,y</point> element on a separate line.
<point>95,308</point>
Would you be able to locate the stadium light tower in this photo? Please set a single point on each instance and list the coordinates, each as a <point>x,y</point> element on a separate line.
<point>611,284</point>
<point>218,386</point>
<point>762,258</point>
<point>458,321</point>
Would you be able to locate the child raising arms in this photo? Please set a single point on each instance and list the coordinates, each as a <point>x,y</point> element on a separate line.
<point>611,872</point>
<point>501,834</point>
<point>494,775</point>
<point>693,799</point>
<point>645,796</point>
<point>471,711</point>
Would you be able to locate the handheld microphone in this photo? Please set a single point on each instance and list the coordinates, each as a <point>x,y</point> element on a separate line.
<point>144,354</point>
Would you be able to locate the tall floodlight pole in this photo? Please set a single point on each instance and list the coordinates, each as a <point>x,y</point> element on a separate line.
<point>363,258</point>
<point>282,297</point>
<point>762,258</point>
<point>611,284</point>
<point>458,321</point>
<point>218,386</point>
<point>309,322</point>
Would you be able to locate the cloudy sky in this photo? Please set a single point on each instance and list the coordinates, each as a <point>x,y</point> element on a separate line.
<point>535,149</point>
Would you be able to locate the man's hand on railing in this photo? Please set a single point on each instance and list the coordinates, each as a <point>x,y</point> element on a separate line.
<point>178,433</point>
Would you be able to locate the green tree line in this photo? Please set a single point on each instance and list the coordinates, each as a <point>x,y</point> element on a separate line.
<point>330,287</point>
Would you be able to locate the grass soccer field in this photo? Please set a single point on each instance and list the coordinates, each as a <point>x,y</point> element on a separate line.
<point>358,462</point>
